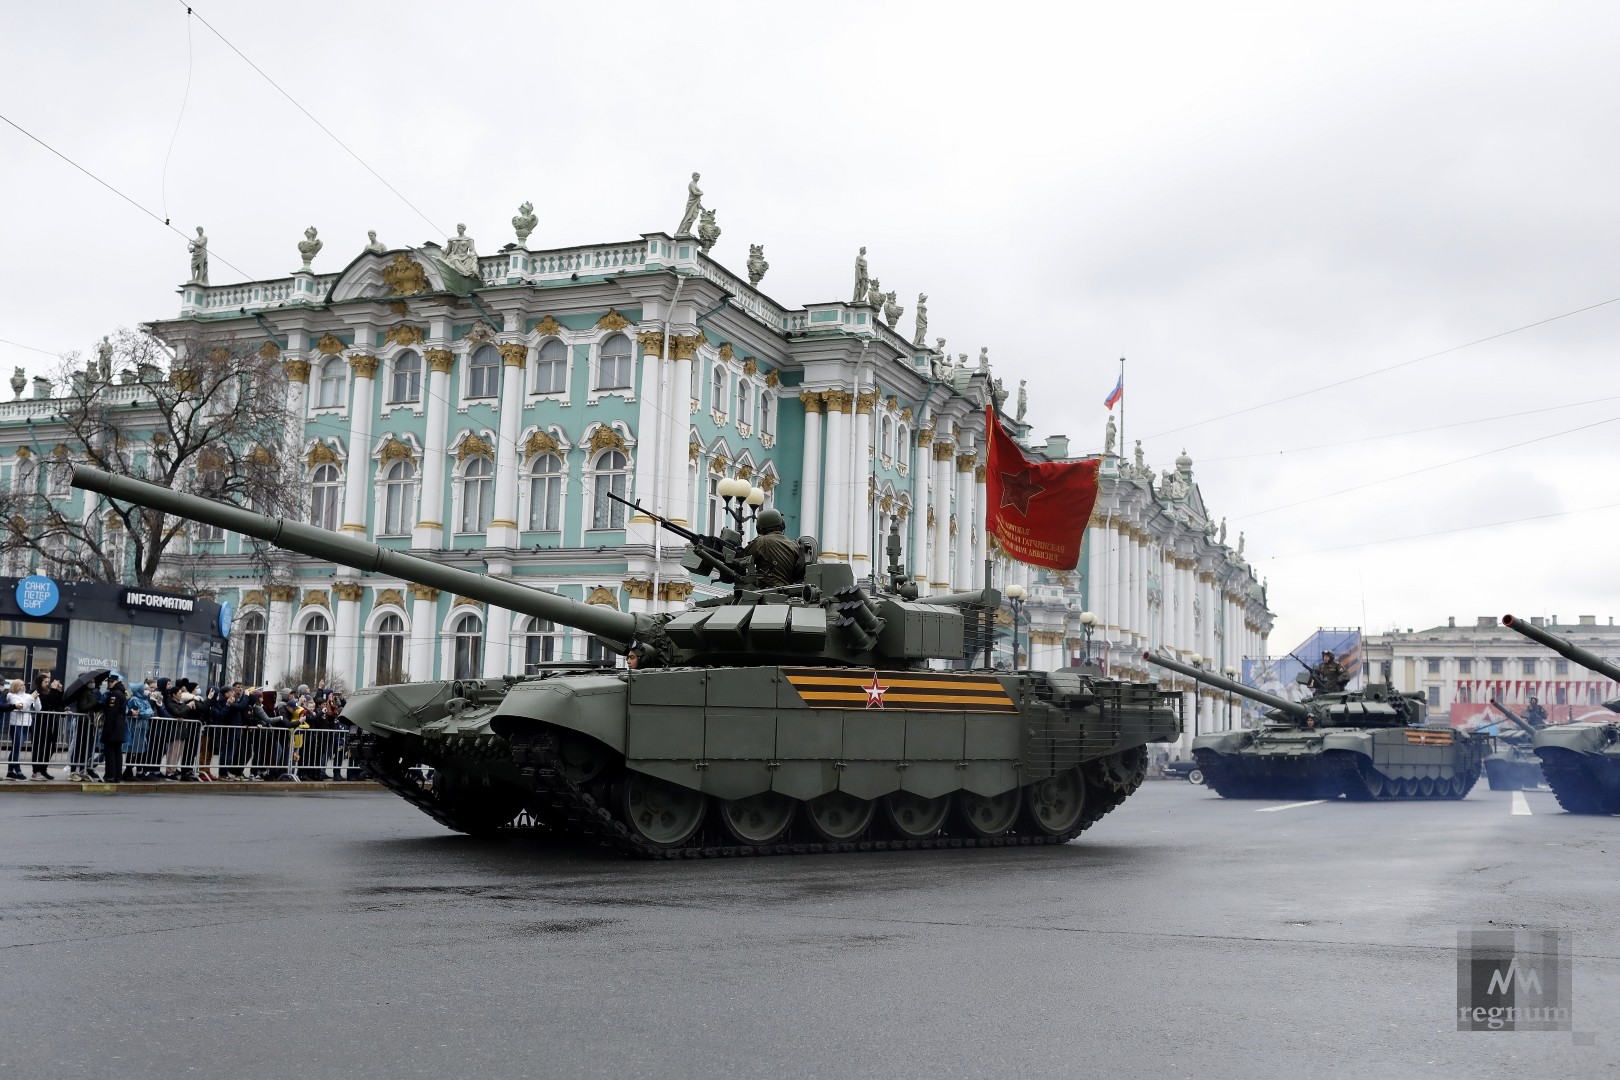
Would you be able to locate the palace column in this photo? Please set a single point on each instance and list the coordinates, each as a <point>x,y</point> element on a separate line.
<point>297,397</point>
<point>810,472</point>
<point>651,486</point>
<point>357,480</point>
<point>430,506</point>
<point>424,632</point>
<point>278,631</point>
<point>835,524</point>
<point>962,578</point>
<point>678,504</point>
<point>981,539</point>
<point>503,525</point>
<point>921,500</point>
<point>939,569</point>
<point>497,627</point>
<point>344,662</point>
<point>865,486</point>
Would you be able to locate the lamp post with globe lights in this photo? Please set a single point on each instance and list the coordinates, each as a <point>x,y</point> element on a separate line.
<point>1231,673</point>
<point>1088,625</point>
<point>1016,594</point>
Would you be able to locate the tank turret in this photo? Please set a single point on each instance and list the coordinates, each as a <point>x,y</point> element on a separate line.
<point>1581,762</point>
<point>825,618</point>
<point>1365,744</point>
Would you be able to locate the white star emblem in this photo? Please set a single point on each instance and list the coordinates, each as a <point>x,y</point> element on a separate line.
<point>875,692</point>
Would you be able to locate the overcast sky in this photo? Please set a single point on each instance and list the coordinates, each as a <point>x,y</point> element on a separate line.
<point>1248,201</point>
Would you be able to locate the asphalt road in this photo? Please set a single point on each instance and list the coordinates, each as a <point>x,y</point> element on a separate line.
<point>1185,935</point>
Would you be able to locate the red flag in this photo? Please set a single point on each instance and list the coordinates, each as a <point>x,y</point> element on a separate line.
<point>1037,509</point>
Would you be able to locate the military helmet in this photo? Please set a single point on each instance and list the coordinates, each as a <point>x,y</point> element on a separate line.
<point>770,521</point>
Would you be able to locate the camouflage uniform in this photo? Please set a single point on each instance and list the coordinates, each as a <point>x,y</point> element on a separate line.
<point>776,559</point>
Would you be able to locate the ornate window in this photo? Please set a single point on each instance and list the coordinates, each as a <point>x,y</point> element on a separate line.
<point>59,478</point>
<point>468,637</point>
<point>767,418</point>
<point>612,475</point>
<point>407,383</point>
<point>484,372</point>
<point>390,650</point>
<point>886,437</point>
<point>331,392</point>
<point>317,644</point>
<point>252,636</point>
<point>399,499</point>
<point>541,643</point>
<point>745,402</point>
<point>325,492</point>
<point>551,370</point>
<point>717,397</point>
<point>545,493</point>
<point>716,516</point>
<point>618,364</point>
<point>902,443</point>
<point>477,495</point>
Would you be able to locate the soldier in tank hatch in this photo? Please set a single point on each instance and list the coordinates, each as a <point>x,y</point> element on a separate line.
<point>1328,677</point>
<point>777,560</point>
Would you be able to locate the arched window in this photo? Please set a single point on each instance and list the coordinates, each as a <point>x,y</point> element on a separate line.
<point>612,475</point>
<point>745,402</point>
<point>541,644</point>
<point>477,495</point>
<point>618,364</point>
<point>390,650</point>
<point>407,384</point>
<point>332,392</point>
<point>902,443</point>
<point>545,493</point>
<point>325,491</point>
<point>399,499</point>
<point>717,395</point>
<point>767,421</point>
<point>551,370</point>
<point>252,637</point>
<point>886,437</point>
<point>716,516</point>
<point>469,647</point>
<point>317,642</point>
<point>484,372</point>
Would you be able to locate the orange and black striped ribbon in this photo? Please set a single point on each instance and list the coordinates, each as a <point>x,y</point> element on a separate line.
<point>908,691</point>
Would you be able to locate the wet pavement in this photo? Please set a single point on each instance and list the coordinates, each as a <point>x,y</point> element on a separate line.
<point>1185,935</point>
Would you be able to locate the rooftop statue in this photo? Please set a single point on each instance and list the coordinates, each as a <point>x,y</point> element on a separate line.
<point>104,361</point>
<point>199,258</point>
<point>460,255</point>
<point>708,232</point>
<point>757,266</point>
<point>1223,532</point>
<point>984,358</point>
<point>309,247</point>
<point>874,296</point>
<point>19,381</point>
<point>862,283</point>
<point>1110,434</point>
<point>921,336</point>
<point>374,246</point>
<point>1023,405</point>
<point>892,310</point>
<point>694,206</point>
<point>1141,462</point>
<point>523,224</point>
<point>1240,545</point>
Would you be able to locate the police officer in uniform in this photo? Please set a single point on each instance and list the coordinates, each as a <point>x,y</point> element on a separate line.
<point>777,560</point>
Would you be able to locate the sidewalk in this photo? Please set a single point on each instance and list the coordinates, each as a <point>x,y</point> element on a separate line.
<point>173,787</point>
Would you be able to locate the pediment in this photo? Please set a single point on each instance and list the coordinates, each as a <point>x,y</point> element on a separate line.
<point>392,274</point>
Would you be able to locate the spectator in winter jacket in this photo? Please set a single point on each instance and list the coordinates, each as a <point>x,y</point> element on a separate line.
<point>140,731</point>
<point>24,704</point>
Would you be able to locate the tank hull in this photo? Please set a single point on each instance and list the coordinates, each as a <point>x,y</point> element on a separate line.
<point>1513,769</point>
<point>1363,764</point>
<point>1581,763</point>
<point>631,759</point>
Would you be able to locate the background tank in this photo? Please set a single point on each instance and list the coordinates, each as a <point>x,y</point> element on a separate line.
<point>1368,744</point>
<point>770,720</point>
<point>1513,765</point>
<point>1580,761</point>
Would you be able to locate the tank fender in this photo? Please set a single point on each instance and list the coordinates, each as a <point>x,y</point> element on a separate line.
<point>593,706</point>
<point>1581,738</point>
<point>1224,742</point>
<point>398,709</point>
<point>1359,742</point>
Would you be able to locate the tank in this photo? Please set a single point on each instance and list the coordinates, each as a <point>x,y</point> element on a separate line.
<point>770,719</point>
<point>1581,762</point>
<point>1513,765</point>
<point>1366,745</point>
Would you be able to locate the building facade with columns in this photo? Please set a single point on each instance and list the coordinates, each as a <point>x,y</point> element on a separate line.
<point>483,419</point>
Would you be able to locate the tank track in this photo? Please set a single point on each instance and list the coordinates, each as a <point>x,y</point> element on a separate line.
<point>1574,789</point>
<point>1351,772</point>
<point>577,813</point>
<point>392,774</point>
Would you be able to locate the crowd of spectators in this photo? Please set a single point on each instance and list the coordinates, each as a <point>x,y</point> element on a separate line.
<point>113,730</point>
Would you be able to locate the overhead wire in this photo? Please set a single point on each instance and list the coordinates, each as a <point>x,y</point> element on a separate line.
<point>163,185</point>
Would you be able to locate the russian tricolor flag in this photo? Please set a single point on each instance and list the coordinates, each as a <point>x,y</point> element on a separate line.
<point>1115,394</point>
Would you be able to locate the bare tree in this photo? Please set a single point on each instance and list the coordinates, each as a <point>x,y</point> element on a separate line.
<point>211,420</point>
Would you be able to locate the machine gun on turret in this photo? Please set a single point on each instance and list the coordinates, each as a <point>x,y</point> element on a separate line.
<point>710,556</point>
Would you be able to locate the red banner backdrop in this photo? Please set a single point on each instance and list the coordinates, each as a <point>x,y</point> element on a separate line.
<point>1037,509</point>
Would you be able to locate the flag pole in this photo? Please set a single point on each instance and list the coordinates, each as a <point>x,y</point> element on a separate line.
<point>1122,442</point>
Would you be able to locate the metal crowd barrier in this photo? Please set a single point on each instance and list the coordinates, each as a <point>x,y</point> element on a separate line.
<point>160,747</point>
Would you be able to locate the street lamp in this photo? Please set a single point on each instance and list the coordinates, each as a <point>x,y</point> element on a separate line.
<point>1016,594</point>
<point>730,488</point>
<point>1088,624</point>
<point>756,499</point>
<point>1231,673</point>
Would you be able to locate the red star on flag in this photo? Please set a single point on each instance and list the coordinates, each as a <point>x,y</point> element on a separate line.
<point>1018,488</point>
<point>875,692</point>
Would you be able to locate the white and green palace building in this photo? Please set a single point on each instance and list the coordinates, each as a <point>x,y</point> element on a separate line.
<point>483,419</point>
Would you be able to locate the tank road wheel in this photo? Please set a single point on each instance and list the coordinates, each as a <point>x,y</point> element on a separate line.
<point>839,817</point>
<point>1457,786</point>
<point>661,813</point>
<point>1052,807</point>
<point>988,816</point>
<point>1425,787</point>
<point>909,816</point>
<point>758,819</point>
<point>1408,788</point>
<point>582,760</point>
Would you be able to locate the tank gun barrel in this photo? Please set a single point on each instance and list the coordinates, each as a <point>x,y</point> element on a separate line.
<point>1271,701</point>
<point>984,598</point>
<point>604,622</point>
<point>1563,648</point>
<point>1518,721</point>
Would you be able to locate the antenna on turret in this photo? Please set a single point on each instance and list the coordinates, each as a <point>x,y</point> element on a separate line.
<point>897,569</point>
